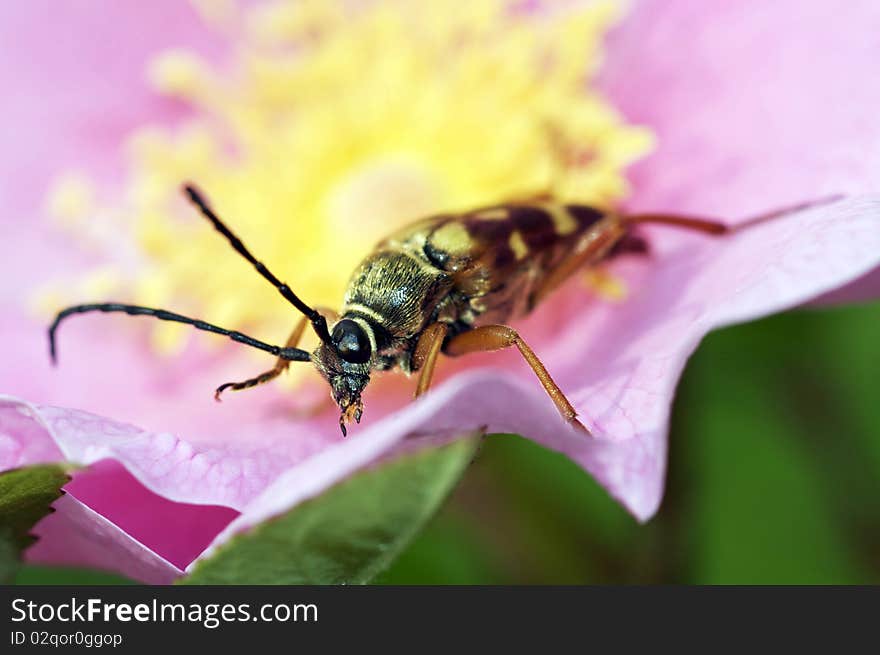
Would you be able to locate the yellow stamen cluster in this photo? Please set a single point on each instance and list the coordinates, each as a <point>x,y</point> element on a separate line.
<point>336,122</point>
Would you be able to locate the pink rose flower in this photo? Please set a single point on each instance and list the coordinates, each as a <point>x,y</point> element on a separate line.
<point>754,106</point>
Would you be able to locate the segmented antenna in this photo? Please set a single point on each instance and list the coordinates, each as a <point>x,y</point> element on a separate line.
<point>319,323</point>
<point>290,354</point>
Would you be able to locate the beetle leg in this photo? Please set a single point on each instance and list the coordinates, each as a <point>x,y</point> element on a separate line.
<point>272,373</point>
<point>593,246</point>
<point>704,225</point>
<point>712,226</point>
<point>425,355</point>
<point>498,337</point>
<point>280,365</point>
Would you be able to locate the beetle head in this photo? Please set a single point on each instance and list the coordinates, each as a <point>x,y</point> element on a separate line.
<point>345,364</point>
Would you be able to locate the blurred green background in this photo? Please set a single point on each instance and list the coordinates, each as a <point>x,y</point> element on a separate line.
<point>773,477</point>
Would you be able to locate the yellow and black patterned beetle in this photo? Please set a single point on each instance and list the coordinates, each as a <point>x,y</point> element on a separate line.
<point>448,283</point>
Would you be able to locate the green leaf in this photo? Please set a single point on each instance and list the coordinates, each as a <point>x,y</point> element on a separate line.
<point>26,496</point>
<point>41,574</point>
<point>781,486</point>
<point>351,532</point>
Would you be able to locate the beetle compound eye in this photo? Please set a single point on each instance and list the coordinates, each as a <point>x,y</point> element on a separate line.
<point>351,342</point>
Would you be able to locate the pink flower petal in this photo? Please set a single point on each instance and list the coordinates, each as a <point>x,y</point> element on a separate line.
<point>755,104</point>
<point>76,535</point>
<point>176,530</point>
<point>75,85</point>
<point>226,474</point>
<point>865,288</point>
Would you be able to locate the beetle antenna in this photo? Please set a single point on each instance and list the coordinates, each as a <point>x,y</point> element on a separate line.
<point>319,323</point>
<point>290,354</point>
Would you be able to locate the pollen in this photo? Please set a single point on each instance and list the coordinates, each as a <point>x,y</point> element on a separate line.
<point>176,73</point>
<point>71,199</point>
<point>329,125</point>
<point>605,285</point>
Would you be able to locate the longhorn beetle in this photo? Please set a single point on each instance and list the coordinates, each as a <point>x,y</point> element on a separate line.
<point>446,283</point>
